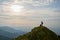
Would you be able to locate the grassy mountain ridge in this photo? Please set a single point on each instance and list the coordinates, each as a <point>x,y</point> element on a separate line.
<point>59,37</point>
<point>39,33</point>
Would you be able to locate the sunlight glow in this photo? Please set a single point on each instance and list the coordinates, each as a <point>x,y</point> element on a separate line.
<point>16,8</point>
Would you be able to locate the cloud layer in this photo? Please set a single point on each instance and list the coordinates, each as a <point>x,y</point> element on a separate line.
<point>34,11</point>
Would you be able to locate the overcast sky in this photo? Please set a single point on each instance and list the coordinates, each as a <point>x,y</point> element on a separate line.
<point>33,12</point>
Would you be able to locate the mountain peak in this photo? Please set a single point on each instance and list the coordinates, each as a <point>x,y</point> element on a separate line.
<point>39,33</point>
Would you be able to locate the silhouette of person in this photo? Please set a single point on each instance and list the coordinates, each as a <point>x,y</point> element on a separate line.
<point>41,23</point>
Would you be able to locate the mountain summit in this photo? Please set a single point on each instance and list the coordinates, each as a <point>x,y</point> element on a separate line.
<point>39,33</point>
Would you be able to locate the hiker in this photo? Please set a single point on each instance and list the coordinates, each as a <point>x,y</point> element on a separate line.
<point>41,23</point>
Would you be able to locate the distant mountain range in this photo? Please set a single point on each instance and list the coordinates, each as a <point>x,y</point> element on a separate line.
<point>4,38</point>
<point>9,33</point>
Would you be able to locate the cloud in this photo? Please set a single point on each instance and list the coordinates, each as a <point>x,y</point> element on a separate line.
<point>28,3</point>
<point>42,2</point>
<point>39,2</point>
<point>36,4</point>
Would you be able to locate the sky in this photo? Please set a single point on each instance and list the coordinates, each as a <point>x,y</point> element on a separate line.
<point>26,14</point>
